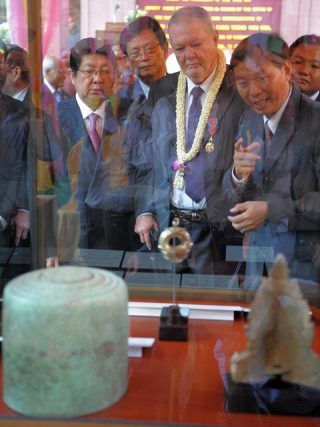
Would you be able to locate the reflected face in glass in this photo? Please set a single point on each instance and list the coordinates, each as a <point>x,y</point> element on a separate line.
<point>147,57</point>
<point>3,70</point>
<point>195,46</point>
<point>305,61</point>
<point>94,79</point>
<point>56,75</point>
<point>264,86</point>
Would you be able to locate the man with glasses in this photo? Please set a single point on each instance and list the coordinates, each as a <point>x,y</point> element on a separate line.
<point>93,143</point>
<point>144,43</point>
<point>192,134</point>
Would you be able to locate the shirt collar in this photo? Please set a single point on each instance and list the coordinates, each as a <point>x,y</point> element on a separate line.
<point>21,95</point>
<point>275,119</point>
<point>49,86</point>
<point>145,88</point>
<point>205,86</point>
<point>86,111</point>
<point>315,95</point>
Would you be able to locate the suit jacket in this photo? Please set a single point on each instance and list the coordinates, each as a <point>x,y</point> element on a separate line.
<point>287,177</point>
<point>128,94</point>
<point>98,182</point>
<point>228,109</point>
<point>163,87</point>
<point>13,147</point>
<point>137,124</point>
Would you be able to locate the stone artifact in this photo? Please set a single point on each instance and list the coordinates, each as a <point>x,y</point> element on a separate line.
<point>279,335</point>
<point>65,342</point>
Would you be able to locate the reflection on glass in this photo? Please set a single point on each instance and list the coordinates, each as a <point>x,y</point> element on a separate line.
<point>123,147</point>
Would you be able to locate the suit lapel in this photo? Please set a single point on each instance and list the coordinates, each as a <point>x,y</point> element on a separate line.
<point>285,130</point>
<point>211,159</point>
<point>219,108</point>
<point>111,155</point>
<point>110,125</point>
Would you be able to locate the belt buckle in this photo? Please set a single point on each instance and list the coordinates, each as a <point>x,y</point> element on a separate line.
<point>195,216</point>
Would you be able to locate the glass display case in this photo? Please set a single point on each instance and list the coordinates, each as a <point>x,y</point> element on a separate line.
<point>92,118</point>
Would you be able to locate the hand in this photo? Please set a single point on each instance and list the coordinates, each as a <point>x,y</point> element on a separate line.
<point>52,261</point>
<point>244,159</point>
<point>144,225</point>
<point>251,215</point>
<point>133,265</point>
<point>22,223</point>
<point>117,84</point>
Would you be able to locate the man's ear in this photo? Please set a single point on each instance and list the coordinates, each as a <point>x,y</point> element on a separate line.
<point>165,51</point>
<point>215,36</point>
<point>72,76</point>
<point>16,73</point>
<point>287,68</point>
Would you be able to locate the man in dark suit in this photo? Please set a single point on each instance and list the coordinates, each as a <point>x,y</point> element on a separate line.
<point>274,182</point>
<point>12,75</point>
<point>144,43</point>
<point>185,180</point>
<point>51,170</point>
<point>93,142</point>
<point>14,215</point>
<point>13,146</point>
<point>305,61</point>
<point>54,74</point>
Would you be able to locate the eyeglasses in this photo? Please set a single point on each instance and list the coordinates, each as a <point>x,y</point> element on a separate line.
<point>147,51</point>
<point>105,73</point>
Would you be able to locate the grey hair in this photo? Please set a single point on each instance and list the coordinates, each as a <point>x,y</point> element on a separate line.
<point>190,12</point>
<point>48,63</point>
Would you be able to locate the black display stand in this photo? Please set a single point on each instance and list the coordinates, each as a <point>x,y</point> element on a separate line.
<point>275,396</point>
<point>173,324</point>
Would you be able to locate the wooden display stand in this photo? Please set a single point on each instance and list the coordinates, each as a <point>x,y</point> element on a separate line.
<point>179,382</point>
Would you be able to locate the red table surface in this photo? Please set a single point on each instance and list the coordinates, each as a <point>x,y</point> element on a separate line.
<point>180,382</point>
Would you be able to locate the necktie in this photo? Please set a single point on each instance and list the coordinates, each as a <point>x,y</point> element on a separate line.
<point>194,185</point>
<point>93,133</point>
<point>58,96</point>
<point>267,134</point>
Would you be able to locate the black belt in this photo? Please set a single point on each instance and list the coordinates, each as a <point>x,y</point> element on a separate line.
<point>185,215</point>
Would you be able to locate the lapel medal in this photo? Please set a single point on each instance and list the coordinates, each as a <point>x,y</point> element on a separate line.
<point>213,125</point>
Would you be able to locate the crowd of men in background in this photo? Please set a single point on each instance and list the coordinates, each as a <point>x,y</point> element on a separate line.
<point>232,151</point>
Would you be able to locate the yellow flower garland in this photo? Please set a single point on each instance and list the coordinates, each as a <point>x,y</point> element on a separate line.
<point>182,155</point>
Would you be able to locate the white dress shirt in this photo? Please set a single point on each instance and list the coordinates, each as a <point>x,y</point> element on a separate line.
<point>315,95</point>
<point>86,111</point>
<point>145,88</point>
<point>49,86</point>
<point>179,198</point>
<point>21,95</point>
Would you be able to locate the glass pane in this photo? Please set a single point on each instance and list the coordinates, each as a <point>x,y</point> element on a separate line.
<point>91,181</point>
<point>124,126</point>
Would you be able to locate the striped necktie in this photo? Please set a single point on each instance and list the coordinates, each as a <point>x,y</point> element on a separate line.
<point>267,134</point>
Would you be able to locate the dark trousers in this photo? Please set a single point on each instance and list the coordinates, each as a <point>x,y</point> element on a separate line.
<point>110,230</point>
<point>208,253</point>
<point>9,267</point>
